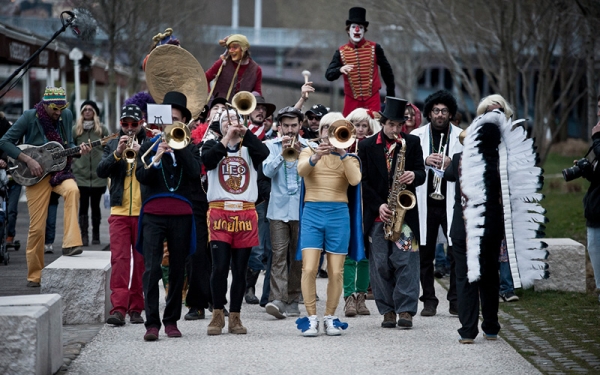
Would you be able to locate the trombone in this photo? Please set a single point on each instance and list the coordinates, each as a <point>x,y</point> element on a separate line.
<point>341,134</point>
<point>244,103</point>
<point>176,135</point>
<point>437,179</point>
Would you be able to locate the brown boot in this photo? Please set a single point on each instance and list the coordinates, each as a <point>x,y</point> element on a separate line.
<point>217,323</point>
<point>235,324</point>
<point>361,306</point>
<point>350,306</point>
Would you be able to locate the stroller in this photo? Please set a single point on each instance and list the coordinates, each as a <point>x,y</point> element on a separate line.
<point>4,255</point>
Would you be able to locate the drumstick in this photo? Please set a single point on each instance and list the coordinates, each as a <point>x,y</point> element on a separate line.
<point>306,74</point>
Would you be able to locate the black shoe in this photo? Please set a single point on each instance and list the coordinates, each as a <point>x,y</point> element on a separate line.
<point>116,319</point>
<point>439,273</point>
<point>428,311</point>
<point>322,274</point>
<point>250,298</point>
<point>195,314</point>
<point>453,310</point>
<point>135,318</point>
<point>509,297</point>
<point>33,284</point>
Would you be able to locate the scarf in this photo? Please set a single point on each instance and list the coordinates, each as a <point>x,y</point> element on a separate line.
<point>51,132</point>
<point>87,125</point>
<point>259,131</point>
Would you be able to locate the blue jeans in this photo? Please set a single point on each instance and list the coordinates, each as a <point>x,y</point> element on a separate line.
<point>264,243</point>
<point>506,280</point>
<point>593,237</point>
<point>14,192</point>
<point>256,255</point>
<point>440,257</point>
<point>51,220</point>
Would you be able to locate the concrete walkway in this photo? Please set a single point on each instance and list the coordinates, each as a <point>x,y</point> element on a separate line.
<point>276,346</point>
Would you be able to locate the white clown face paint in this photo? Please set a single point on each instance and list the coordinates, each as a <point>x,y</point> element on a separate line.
<point>356,32</point>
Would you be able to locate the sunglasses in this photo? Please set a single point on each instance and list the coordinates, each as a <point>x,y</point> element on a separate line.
<point>311,118</point>
<point>130,124</point>
<point>54,107</point>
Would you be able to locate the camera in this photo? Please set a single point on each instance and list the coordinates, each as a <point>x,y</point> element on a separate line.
<point>581,167</point>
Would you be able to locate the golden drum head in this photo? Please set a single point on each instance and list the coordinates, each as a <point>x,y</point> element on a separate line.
<point>172,68</point>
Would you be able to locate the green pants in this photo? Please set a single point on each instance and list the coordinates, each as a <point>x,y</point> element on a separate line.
<point>356,276</point>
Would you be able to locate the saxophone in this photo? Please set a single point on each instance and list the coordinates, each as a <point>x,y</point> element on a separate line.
<point>400,200</point>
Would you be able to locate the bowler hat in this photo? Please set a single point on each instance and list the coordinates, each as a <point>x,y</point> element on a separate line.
<point>394,109</point>
<point>179,101</point>
<point>357,15</point>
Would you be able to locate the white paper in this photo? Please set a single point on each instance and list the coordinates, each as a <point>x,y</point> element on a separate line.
<point>159,114</point>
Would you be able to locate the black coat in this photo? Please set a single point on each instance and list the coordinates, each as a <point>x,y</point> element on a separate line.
<point>109,167</point>
<point>457,230</point>
<point>185,176</point>
<point>376,183</point>
<point>591,201</point>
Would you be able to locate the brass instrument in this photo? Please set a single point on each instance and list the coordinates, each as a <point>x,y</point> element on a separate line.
<point>289,153</point>
<point>172,68</point>
<point>176,135</point>
<point>244,103</point>
<point>437,180</point>
<point>400,200</point>
<point>341,134</point>
<point>129,153</point>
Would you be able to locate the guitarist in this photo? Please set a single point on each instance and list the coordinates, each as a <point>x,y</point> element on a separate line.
<point>49,120</point>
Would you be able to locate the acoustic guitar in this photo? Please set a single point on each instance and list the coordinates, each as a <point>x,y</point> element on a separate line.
<point>51,156</point>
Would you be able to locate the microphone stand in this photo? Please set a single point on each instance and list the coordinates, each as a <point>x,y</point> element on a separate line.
<point>65,23</point>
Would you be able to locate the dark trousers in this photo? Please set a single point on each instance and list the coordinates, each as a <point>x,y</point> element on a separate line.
<point>198,265</point>
<point>486,288</point>
<point>436,216</point>
<point>223,256</point>
<point>93,195</point>
<point>14,192</point>
<point>177,230</point>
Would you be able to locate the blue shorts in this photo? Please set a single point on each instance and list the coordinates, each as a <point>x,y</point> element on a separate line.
<point>325,226</point>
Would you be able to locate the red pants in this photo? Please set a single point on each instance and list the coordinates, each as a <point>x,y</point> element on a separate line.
<point>123,236</point>
<point>350,104</point>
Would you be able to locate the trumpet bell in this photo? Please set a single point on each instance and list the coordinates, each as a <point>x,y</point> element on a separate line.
<point>290,154</point>
<point>244,102</point>
<point>341,134</point>
<point>177,135</point>
<point>130,155</point>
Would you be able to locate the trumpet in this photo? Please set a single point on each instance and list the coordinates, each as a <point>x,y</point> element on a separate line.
<point>176,135</point>
<point>129,153</point>
<point>289,152</point>
<point>341,134</point>
<point>437,180</point>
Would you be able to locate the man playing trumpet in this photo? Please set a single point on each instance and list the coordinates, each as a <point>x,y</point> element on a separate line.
<point>125,202</point>
<point>283,212</point>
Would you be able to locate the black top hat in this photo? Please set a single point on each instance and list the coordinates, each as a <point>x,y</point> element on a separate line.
<point>179,101</point>
<point>261,100</point>
<point>394,109</point>
<point>357,15</point>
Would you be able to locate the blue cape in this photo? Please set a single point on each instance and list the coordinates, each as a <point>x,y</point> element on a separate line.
<point>356,249</point>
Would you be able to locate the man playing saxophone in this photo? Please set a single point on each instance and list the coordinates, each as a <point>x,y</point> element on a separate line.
<point>394,265</point>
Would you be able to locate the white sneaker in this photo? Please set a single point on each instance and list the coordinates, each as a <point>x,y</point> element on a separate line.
<point>330,330</point>
<point>313,330</point>
<point>48,249</point>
